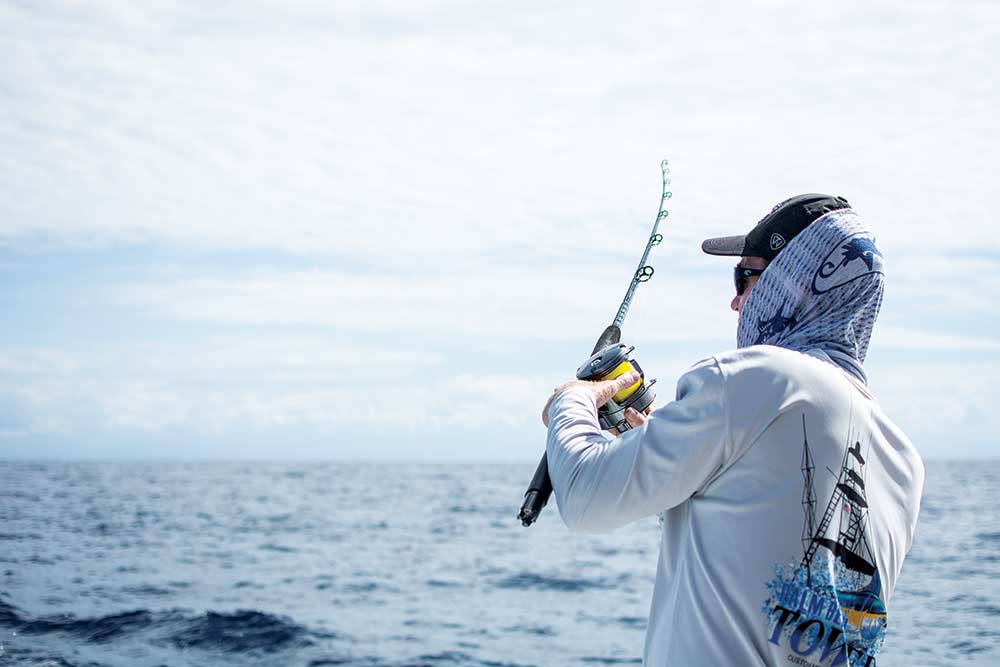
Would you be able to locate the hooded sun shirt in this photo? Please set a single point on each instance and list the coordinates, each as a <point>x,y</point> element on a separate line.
<point>788,497</point>
<point>822,292</point>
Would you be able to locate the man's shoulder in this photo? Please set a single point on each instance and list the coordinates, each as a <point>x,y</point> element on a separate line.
<point>765,362</point>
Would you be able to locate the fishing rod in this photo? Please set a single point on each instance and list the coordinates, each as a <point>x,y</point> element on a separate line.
<point>609,359</point>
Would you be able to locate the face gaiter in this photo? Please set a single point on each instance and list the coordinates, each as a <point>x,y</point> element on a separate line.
<point>822,292</point>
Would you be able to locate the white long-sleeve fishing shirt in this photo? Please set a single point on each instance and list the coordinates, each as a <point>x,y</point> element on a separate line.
<point>789,500</point>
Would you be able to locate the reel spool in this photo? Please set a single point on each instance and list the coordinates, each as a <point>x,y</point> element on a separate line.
<point>607,364</point>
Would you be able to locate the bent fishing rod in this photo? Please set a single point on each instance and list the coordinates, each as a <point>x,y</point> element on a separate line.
<point>609,359</point>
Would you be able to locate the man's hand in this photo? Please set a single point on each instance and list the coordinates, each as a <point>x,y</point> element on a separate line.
<point>602,392</point>
<point>635,418</point>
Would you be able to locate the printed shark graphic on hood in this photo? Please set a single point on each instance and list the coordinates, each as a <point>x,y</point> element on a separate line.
<point>860,248</point>
<point>770,328</point>
<point>823,291</point>
<point>858,257</point>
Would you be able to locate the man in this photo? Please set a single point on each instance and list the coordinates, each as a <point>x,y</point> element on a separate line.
<point>788,498</point>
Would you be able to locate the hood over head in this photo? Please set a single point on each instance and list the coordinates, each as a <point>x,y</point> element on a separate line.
<point>822,292</point>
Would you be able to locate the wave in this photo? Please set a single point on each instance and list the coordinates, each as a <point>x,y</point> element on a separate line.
<point>593,660</point>
<point>240,631</point>
<point>531,580</point>
<point>637,622</point>
<point>97,630</point>
<point>243,631</point>
<point>538,630</point>
<point>38,657</point>
<point>8,614</point>
<point>19,537</point>
<point>451,658</point>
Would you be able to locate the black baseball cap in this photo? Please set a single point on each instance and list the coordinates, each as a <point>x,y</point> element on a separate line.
<point>777,228</point>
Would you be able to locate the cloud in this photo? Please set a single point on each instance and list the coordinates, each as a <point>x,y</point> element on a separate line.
<point>944,406</point>
<point>483,301</point>
<point>226,384</point>
<point>443,202</point>
<point>909,339</point>
<point>400,135</point>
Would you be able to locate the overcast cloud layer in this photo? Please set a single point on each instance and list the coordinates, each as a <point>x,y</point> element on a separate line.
<point>386,230</point>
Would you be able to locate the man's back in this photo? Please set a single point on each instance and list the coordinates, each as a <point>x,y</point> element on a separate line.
<point>809,514</point>
<point>789,501</point>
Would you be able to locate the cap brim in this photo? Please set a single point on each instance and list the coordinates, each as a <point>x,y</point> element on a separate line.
<point>725,245</point>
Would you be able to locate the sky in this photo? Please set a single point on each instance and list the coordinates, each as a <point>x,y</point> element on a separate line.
<point>385,230</point>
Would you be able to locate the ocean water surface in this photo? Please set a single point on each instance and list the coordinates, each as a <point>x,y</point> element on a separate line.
<point>368,565</point>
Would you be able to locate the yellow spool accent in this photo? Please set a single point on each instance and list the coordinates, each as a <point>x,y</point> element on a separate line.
<point>623,368</point>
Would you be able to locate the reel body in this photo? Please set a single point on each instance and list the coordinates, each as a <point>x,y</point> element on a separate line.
<point>607,364</point>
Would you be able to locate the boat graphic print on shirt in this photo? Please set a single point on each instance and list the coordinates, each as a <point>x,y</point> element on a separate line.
<point>827,609</point>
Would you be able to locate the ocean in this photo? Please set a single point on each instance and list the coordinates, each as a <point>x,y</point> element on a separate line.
<point>399,565</point>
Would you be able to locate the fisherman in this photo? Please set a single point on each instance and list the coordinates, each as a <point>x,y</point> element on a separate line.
<point>788,498</point>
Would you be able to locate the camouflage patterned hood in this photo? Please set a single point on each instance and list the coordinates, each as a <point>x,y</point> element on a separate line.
<point>822,292</point>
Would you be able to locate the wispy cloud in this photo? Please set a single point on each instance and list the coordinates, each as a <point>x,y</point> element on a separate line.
<point>449,130</point>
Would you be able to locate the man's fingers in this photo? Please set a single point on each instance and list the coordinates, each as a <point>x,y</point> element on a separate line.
<point>634,418</point>
<point>608,388</point>
<point>603,391</point>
